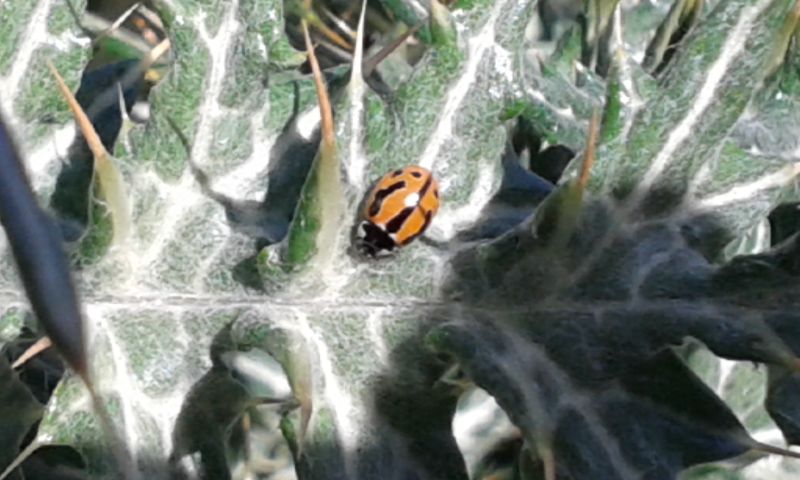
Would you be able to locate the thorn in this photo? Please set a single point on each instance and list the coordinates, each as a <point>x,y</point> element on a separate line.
<point>339,53</point>
<point>152,17</point>
<point>199,175</point>
<point>143,21</point>
<point>302,398</point>
<point>118,448</point>
<point>339,23</point>
<point>41,345</point>
<point>181,137</point>
<point>330,34</point>
<point>246,429</point>
<point>545,452</point>
<point>454,377</point>
<point>108,176</point>
<point>306,409</point>
<point>127,124</point>
<point>358,55</point>
<point>92,139</point>
<point>326,113</point>
<point>309,16</point>
<point>111,28</point>
<point>121,101</point>
<point>153,55</point>
<point>21,457</point>
<point>591,147</point>
<point>372,63</point>
<point>771,449</point>
<point>299,374</point>
<point>783,39</point>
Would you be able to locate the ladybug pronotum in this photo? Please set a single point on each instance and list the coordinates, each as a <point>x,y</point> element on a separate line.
<point>398,210</point>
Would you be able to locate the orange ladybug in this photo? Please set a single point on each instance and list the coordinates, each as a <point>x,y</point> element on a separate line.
<point>398,210</point>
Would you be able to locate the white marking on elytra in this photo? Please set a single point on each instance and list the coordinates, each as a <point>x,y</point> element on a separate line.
<point>411,200</point>
<point>733,45</point>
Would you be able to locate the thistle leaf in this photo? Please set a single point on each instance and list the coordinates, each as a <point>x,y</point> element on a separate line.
<point>109,180</point>
<point>613,355</point>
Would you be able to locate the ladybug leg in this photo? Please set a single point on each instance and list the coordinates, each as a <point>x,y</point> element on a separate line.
<point>373,241</point>
<point>436,244</point>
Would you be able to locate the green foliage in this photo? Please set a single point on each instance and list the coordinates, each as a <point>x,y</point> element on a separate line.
<point>573,313</point>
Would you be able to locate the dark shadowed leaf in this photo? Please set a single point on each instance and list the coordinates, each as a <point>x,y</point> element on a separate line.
<point>40,258</point>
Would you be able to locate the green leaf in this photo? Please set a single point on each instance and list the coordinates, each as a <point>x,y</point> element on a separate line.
<point>573,337</point>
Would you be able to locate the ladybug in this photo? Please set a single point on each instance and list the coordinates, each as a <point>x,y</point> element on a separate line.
<point>398,210</point>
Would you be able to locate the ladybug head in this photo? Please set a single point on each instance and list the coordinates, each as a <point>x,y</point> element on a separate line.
<point>373,241</point>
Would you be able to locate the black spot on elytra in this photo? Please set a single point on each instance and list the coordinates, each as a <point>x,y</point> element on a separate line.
<point>436,192</point>
<point>416,174</point>
<point>393,226</point>
<point>425,188</point>
<point>428,217</point>
<point>381,195</point>
<point>397,172</point>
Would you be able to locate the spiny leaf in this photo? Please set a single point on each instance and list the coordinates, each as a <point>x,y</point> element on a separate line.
<point>682,17</point>
<point>326,113</point>
<point>314,236</point>
<point>352,130</point>
<point>659,138</point>
<point>557,220</point>
<point>109,179</point>
<point>618,293</point>
<point>787,31</point>
<point>310,17</point>
<point>596,40</point>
